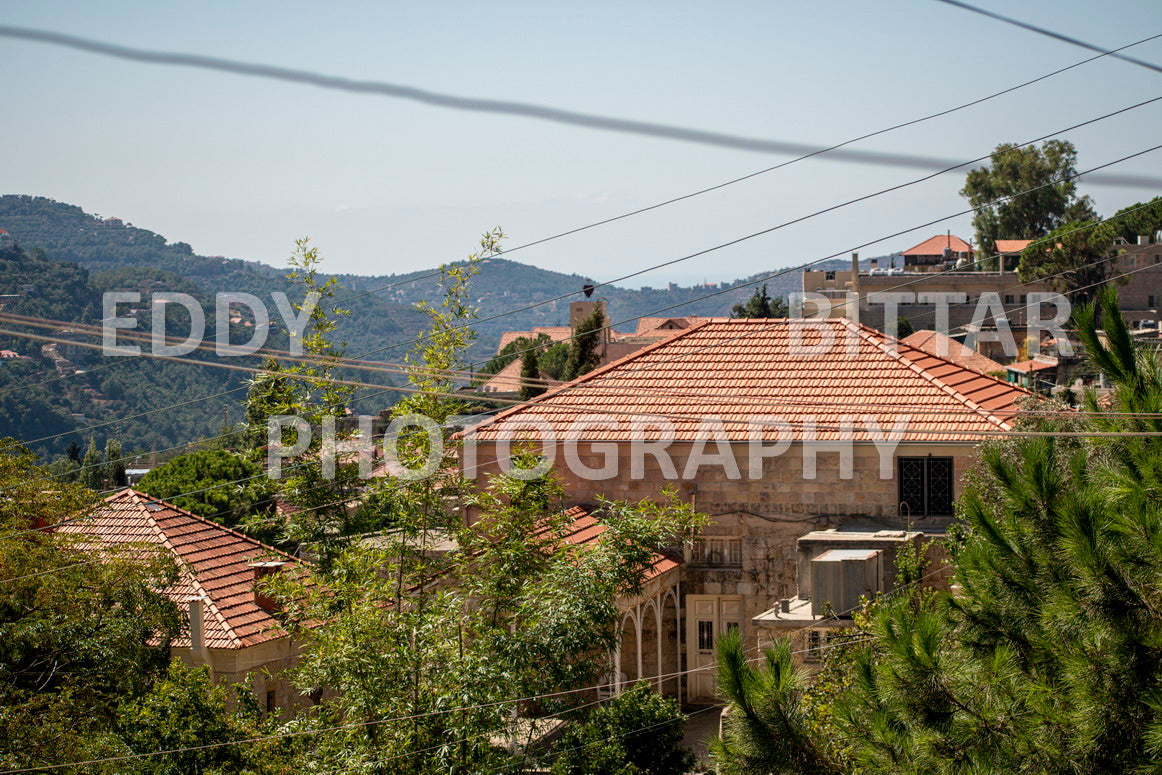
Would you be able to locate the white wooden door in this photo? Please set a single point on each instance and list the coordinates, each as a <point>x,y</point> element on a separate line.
<point>707,617</point>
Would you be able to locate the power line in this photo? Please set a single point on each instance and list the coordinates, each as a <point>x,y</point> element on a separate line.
<point>1050,33</point>
<point>481,105</point>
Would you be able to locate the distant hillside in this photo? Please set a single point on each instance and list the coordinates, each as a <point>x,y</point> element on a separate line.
<point>67,233</point>
<point>71,392</point>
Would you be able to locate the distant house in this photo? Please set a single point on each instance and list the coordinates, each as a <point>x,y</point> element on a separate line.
<point>1010,252</point>
<point>6,240</point>
<point>936,252</point>
<point>231,625</point>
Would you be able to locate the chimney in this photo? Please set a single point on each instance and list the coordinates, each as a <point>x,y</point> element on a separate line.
<point>263,569</point>
<point>875,263</point>
<point>201,654</point>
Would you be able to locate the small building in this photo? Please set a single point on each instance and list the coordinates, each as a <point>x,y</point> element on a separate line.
<point>1010,251</point>
<point>1037,373</point>
<point>936,253</point>
<point>6,240</point>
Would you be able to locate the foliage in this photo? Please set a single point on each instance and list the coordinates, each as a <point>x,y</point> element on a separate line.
<point>584,353</point>
<point>185,709</point>
<point>1132,222</point>
<point>222,486</point>
<point>1071,258</point>
<point>513,350</point>
<point>1049,168</point>
<point>639,732</point>
<point>761,305</point>
<point>530,375</point>
<point>904,327</point>
<point>79,633</point>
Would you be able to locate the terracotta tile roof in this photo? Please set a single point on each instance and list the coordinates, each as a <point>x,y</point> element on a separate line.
<point>934,246</point>
<point>945,346</point>
<point>737,370</point>
<point>213,559</point>
<point>1012,245</point>
<point>1032,364</point>
<point>586,529</point>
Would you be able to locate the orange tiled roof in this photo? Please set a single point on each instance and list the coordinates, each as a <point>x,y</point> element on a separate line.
<point>1012,245</point>
<point>945,346</point>
<point>738,370</point>
<point>507,380</point>
<point>1032,364</point>
<point>934,246</point>
<point>213,559</point>
<point>586,529</point>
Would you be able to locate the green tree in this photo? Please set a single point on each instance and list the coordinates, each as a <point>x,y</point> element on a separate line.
<point>638,733</point>
<point>1050,168</point>
<point>904,327</point>
<point>185,709</point>
<point>1132,222</point>
<point>761,305</point>
<point>1072,257</point>
<point>93,467</point>
<point>530,375</point>
<point>584,352</point>
<point>80,632</point>
<point>513,350</point>
<point>223,487</point>
<point>114,473</point>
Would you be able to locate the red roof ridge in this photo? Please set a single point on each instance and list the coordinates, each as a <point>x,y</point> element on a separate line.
<point>879,339</point>
<point>210,522</point>
<point>678,334</point>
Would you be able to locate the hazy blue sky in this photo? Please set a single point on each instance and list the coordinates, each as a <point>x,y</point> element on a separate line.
<point>242,166</point>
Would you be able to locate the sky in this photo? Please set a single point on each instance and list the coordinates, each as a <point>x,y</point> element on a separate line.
<point>242,166</point>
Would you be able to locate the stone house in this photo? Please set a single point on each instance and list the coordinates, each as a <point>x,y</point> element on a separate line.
<point>773,428</point>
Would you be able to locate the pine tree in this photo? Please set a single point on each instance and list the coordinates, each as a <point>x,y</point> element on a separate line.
<point>761,305</point>
<point>93,467</point>
<point>583,350</point>
<point>114,472</point>
<point>529,374</point>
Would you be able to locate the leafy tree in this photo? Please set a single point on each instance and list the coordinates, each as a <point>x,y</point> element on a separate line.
<point>904,327</point>
<point>79,632</point>
<point>638,733</point>
<point>530,375</point>
<point>1071,257</point>
<point>513,350</point>
<point>1050,168</point>
<point>185,709</point>
<point>552,361</point>
<point>1131,222</point>
<point>222,486</point>
<point>583,348</point>
<point>761,305</point>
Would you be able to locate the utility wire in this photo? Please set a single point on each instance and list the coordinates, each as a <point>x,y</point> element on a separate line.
<point>481,105</point>
<point>1050,33</point>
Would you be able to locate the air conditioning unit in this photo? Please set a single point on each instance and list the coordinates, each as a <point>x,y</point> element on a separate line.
<point>840,576</point>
